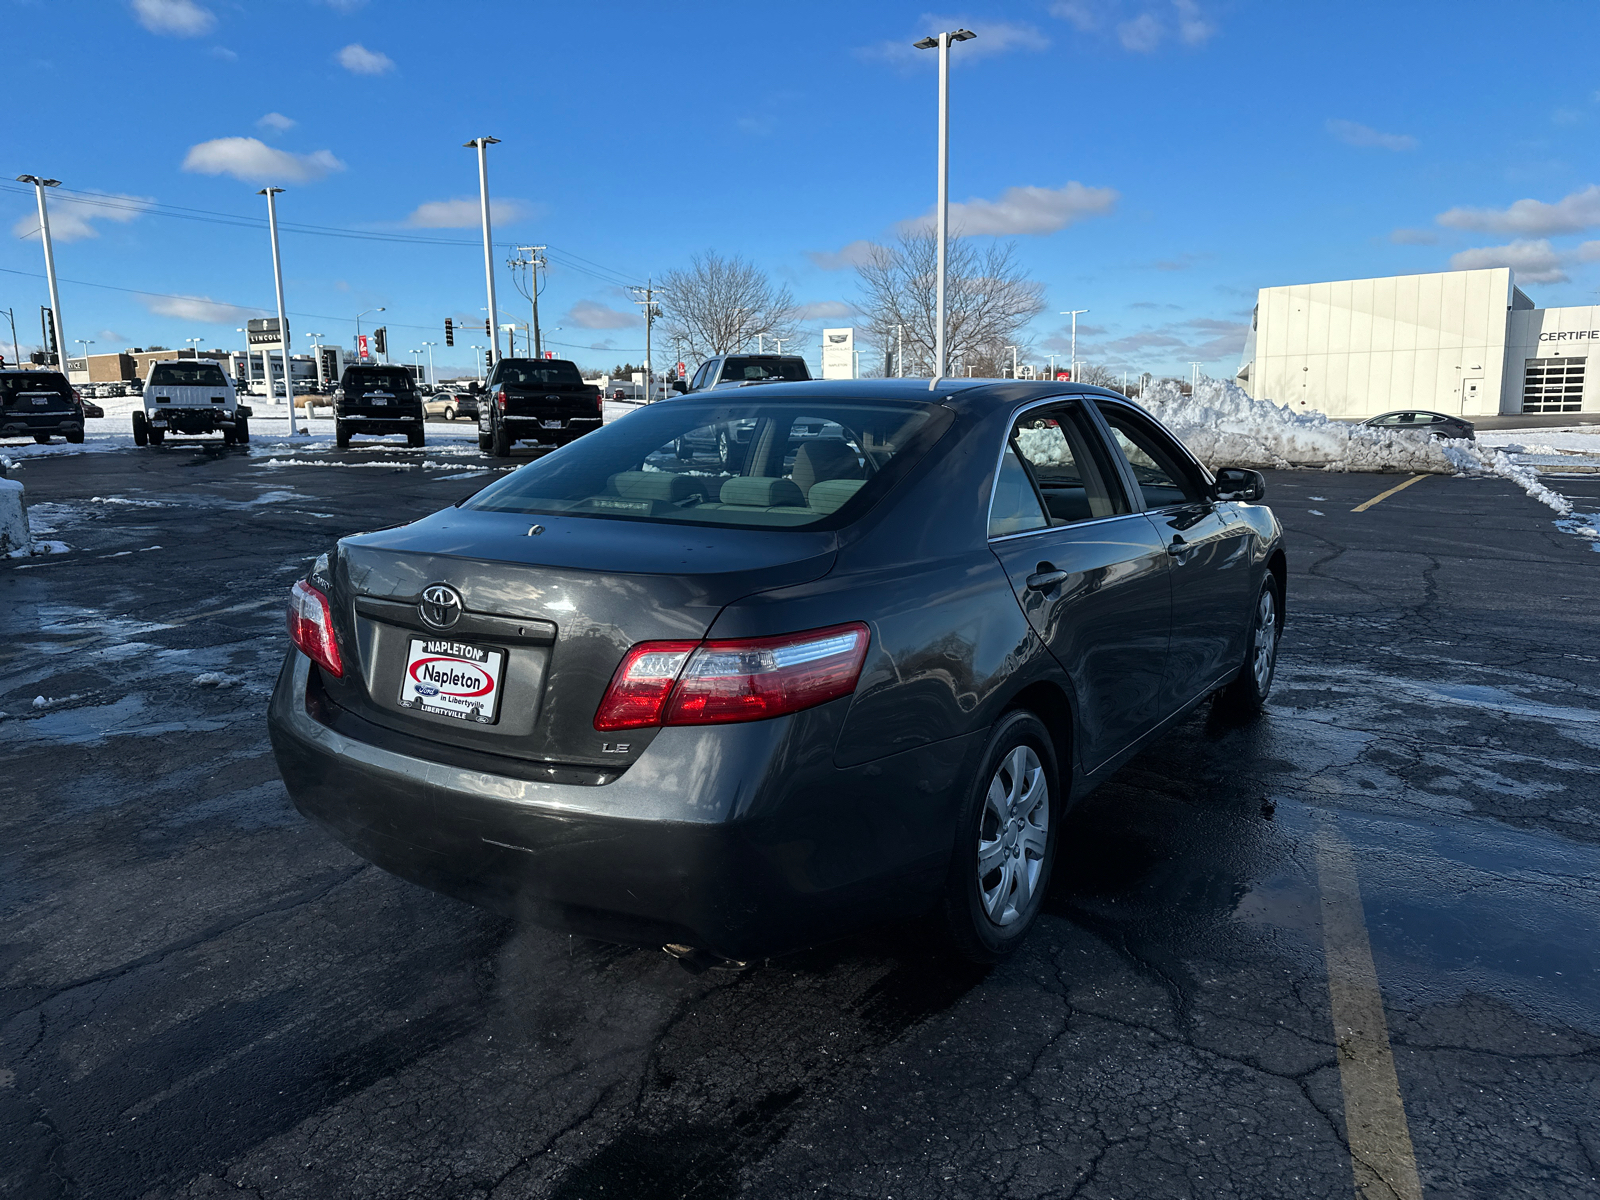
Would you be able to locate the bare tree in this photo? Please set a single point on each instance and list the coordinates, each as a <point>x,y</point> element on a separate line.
<point>722,305</point>
<point>1096,375</point>
<point>988,300</point>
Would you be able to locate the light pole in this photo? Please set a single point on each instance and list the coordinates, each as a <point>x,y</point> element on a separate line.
<point>272,194</point>
<point>1074,315</point>
<point>942,43</point>
<point>1053,358</point>
<point>477,360</point>
<point>511,336</point>
<point>194,346</point>
<point>316,350</point>
<point>39,186</point>
<point>1194,377</point>
<point>482,144</point>
<point>1013,350</point>
<point>16,349</point>
<point>900,351</point>
<point>359,315</point>
<point>433,376</point>
<point>85,343</point>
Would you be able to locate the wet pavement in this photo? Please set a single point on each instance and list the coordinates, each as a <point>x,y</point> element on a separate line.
<point>205,996</point>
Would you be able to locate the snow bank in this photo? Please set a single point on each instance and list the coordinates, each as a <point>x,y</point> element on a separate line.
<point>13,518</point>
<point>1224,427</point>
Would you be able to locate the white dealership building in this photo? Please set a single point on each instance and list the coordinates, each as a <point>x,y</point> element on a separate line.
<point>1467,342</point>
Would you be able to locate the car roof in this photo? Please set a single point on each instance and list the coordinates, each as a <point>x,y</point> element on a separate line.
<point>963,395</point>
<point>1426,412</point>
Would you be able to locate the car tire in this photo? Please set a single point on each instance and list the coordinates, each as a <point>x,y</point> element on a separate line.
<point>241,432</point>
<point>75,438</point>
<point>341,435</point>
<point>416,440</point>
<point>1247,694</point>
<point>500,441</point>
<point>1005,846</point>
<point>449,413</point>
<point>42,438</point>
<point>141,430</point>
<point>157,436</point>
<point>684,451</point>
<point>485,443</point>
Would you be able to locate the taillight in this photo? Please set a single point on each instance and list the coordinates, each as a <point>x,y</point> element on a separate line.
<point>311,627</point>
<point>741,679</point>
<point>500,399</point>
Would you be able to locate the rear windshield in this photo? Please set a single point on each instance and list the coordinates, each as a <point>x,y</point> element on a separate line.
<point>761,370</point>
<point>801,463</point>
<point>533,372</point>
<point>359,381</point>
<point>34,381</point>
<point>187,374</point>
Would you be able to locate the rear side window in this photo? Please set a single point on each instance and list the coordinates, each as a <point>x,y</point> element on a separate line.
<point>187,374</point>
<point>805,464</point>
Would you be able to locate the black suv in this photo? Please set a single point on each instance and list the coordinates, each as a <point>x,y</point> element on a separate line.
<point>374,399</point>
<point>39,404</point>
<point>535,400</point>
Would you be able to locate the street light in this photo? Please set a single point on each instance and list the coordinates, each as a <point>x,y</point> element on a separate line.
<point>1013,350</point>
<point>316,351</point>
<point>272,194</point>
<point>1074,315</point>
<point>477,360</point>
<point>39,186</point>
<point>359,315</point>
<point>482,144</point>
<point>433,376</point>
<point>194,345</point>
<point>85,343</point>
<point>942,43</point>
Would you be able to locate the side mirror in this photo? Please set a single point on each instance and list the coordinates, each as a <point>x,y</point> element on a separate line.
<point>680,387</point>
<point>1237,483</point>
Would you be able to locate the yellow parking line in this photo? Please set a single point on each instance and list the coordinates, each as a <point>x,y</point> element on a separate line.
<point>1381,1157</point>
<point>1385,495</point>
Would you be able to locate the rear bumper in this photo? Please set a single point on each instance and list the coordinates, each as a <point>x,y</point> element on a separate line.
<point>736,839</point>
<point>28,424</point>
<point>533,428</point>
<point>360,423</point>
<point>174,419</point>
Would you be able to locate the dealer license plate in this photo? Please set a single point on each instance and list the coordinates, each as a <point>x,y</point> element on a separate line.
<point>453,679</point>
<point>556,424</point>
<point>379,399</point>
<point>41,400</point>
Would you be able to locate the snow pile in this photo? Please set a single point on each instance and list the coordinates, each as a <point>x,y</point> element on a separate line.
<point>1224,427</point>
<point>214,679</point>
<point>1482,460</point>
<point>14,536</point>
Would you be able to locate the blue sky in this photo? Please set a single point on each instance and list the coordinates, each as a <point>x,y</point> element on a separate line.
<point>1156,161</point>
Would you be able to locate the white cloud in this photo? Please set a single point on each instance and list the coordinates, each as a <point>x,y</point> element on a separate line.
<point>1082,14</point>
<point>1142,35</point>
<point>1140,26</point>
<point>1193,28</point>
<point>853,255</point>
<point>1414,237</point>
<point>1570,214</point>
<point>466,213</point>
<point>1353,134</point>
<point>71,217</point>
<point>586,314</point>
<point>179,18</point>
<point>994,37</point>
<point>200,308</point>
<point>1034,210</point>
<point>276,122</point>
<point>253,161</point>
<point>223,53</point>
<point>1534,261</point>
<point>110,337</point>
<point>1201,339</point>
<point>824,310</point>
<point>358,60</point>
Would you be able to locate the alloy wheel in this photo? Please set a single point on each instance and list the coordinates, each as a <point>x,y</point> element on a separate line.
<point>1266,639</point>
<point>1013,835</point>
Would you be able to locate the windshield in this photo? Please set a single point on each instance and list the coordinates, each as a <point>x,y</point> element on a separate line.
<point>745,370</point>
<point>187,374</point>
<point>376,381</point>
<point>532,372</point>
<point>776,466</point>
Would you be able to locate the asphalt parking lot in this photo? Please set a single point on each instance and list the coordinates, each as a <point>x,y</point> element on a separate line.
<point>1349,945</point>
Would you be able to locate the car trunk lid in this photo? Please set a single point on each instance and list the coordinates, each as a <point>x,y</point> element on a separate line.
<point>551,612</point>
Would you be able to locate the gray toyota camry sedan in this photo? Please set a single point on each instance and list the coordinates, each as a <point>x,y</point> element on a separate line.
<point>858,673</point>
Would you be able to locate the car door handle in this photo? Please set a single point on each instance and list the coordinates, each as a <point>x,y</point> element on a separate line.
<point>1045,580</point>
<point>1178,547</point>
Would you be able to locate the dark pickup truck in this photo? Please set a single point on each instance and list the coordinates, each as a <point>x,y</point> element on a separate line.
<point>39,404</point>
<point>535,400</point>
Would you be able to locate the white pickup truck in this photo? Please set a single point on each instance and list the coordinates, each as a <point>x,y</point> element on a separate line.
<point>189,396</point>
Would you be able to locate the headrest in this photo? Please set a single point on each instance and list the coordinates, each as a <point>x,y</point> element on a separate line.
<point>830,495</point>
<point>825,458</point>
<point>658,485</point>
<point>762,491</point>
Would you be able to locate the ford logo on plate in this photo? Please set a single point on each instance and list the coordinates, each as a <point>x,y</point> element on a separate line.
<point>441,605</point>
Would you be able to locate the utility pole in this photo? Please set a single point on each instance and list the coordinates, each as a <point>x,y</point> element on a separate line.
<point>531,260</point>
<point>39,186</point>
<point>645,297</point>
<point>942,43</point>
<point>271,193</point>
<point>482,145</point>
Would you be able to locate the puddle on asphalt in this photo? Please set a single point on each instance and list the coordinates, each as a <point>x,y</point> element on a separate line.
<point>127,717</point>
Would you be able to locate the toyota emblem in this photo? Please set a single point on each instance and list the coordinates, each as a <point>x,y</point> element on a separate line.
<point>441,606</point>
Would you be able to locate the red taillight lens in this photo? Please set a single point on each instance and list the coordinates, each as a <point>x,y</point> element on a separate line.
<point>640,688</point>
<point>311,627</point>
<point>500,399</point>
<point>744,679</point>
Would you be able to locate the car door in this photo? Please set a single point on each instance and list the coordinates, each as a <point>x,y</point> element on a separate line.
<point>1087,569</point>
<point>1206,541</point>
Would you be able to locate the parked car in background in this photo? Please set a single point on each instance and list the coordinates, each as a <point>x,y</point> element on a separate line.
<point>1439,424</point>
<point>749,709</point>
<point>377,400</point>
<point>451,404</point>
<point>536,400</point>
<point>189,396</point>
<point>733,370</point>
<point>40,405</point>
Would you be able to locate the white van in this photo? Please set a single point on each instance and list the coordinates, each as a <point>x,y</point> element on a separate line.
<point>190,395</point>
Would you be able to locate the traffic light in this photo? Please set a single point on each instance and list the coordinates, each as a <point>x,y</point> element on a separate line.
<point>449,332</point>
<point>488,359</point>
<point>488,329</point>
<point>380,339</point>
